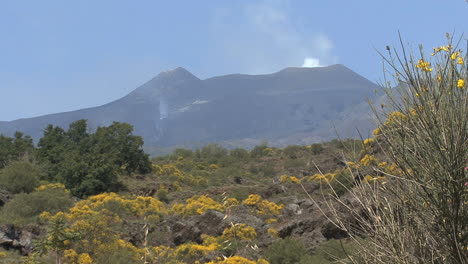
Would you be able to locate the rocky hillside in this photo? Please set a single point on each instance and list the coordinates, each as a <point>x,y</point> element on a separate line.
<point>194,206</point>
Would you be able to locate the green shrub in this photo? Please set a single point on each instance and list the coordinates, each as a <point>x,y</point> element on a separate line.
<point>161,194</point>
<point>286,251</point>
<point>266,169</point>
<point>239,154</point>
<point>24,208</point>
<point>294,163</point>
<point>211,154</point>
<point>331,251</point>
<point>240,193</point>
<point>259,150</point>
<point>20,176</point>
<point>316,148</point>
<point>181,152</point>
<point>292,151</point>
<point>121,256</point>
<point>342,182</point>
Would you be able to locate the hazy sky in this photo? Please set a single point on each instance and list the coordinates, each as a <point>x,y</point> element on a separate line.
<point>63,55</point>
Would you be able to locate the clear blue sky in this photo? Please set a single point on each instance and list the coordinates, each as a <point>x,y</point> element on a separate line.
<point>64,55</point>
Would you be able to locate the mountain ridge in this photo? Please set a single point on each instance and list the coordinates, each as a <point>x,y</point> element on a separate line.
<point>177,108</point>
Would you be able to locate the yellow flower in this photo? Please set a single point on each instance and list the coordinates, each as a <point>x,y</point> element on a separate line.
<point>253,199</point>
<point>368,141</point>
<point>85,259</point>
<point>240,232</point>
<point>460,83</point>
<point>383,164</point>
<point>455,55</point>
<point>294,179</point>
<point>376,132</point>
<point>273,232</point>
<point>460,60</point>
<point>284,178</point>
<point>230,202</point>
<point>424,66</point>
<point>367,160</point>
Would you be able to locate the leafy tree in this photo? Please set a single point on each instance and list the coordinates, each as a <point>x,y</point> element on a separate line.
<point>118,139</point>
<point>90,163</point>
<point>14,148</point>
<point>77,132</point>
<point>51,147</point>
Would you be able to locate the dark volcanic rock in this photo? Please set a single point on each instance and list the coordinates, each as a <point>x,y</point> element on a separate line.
<point>176,230</point>
<point>4,197</point>
<point>12,237</point>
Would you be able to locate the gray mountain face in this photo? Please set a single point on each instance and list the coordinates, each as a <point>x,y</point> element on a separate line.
<point>176,109</point>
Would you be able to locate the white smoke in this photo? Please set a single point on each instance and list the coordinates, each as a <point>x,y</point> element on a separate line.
<point>311,63</point>
<point>269,37</point>
<point>163,109</point>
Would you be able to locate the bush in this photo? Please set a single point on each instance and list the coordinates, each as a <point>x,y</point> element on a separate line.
<point>24,208</point>
<point>161,194</point>
<point>239,154</point>
<point>211,154</point>
<point>20,176</point>
<point>292,151</point>
<point>421,209</point>
<point>286,251</point>
<point>294,163</point>
<point>331,251</point>
<point>316,148</point>
<point>259,150</point>
<point>342,183</point>
<point>181,152</point>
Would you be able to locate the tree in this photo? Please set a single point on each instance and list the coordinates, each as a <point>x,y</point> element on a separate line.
<point>127,148</point>
<point>90,163</point>
<point>14,148</point>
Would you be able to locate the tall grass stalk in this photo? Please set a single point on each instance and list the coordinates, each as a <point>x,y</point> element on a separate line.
<point>418,213</point>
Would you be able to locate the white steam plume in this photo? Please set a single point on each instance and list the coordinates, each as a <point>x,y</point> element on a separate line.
<point>163,111</point>
<point>311,62</point>
<point>268,38</point>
